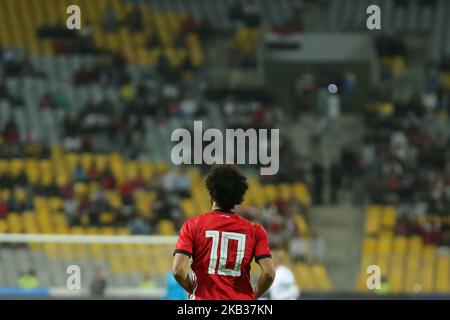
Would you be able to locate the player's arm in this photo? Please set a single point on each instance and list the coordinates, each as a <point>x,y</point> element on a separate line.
<point>263,257</point>
<point>182,254</point>
<point>267,276</point>
<point>180,271</point>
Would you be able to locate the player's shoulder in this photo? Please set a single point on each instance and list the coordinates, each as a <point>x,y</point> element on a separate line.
<point>251,224</point>
<point>204,217</point>
<point>256,227</point>
<point>198,219</point>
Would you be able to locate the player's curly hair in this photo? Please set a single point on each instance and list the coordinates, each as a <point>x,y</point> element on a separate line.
<point>226,185</point>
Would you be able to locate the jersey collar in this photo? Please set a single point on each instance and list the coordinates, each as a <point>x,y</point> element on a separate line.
<point>223,211</point>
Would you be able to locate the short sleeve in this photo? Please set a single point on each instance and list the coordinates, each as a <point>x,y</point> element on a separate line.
<point>185,240</point>
<point>262,249</point>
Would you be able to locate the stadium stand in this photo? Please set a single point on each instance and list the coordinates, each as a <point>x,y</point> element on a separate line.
<point>84,120</point>
<point>85,117</point>
<point>412,254</point>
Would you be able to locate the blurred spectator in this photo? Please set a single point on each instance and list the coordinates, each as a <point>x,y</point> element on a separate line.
<point>60,98</point>
<point>147,282</point>
<point>284,287</point>
<point>173,290</point>
<point>46,101</point>
<point>99,284</point>
<point>109,20</point>
<point>93,173</point>
<point>71,209</point>
<point>79,174</point>
<point>85,42</point>
<point>138,225</point>
<point>317,248</point>
<point>385,288</point>
<point>82,76</point>
<point>72,143</point>
<point>4,92</point>
<point>11,132</point>
<point>28,280</point>
<point>318,182</point>
<point>188,107</point>
<point>299,249</point>
<point>134,20</point>
<point>333,113</point>
<point>335,176</point>
<point>108,179</point>
<point>348,160</point>
<point>251,13</point>
<point>3,209</point>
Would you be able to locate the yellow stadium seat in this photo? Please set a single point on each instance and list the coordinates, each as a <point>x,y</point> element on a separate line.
<point>321,278</point>
<point>303,276</point>
<point>385,243</point>
<point>20,194</point>
<point>123,231</point>
<point>361,283</point>
<point>161,167</point>
<point>388,217</point>
<point>5,194</point>
<point>55,203</point>
<point>412,273</point>
<point>369,245</point>
<point>301,224</point>
<point>384,261</point>
<point>373,218</point>
<point>400,245</point>
<point>3,226</point>
<point>132,169</point>
<point>14,222</point>
<point>188,209</point>
<point>107,231</point>
<point>16,166</point>
<point>302,194</point>
<point>415,245</point>
<point>114,199</point>
<point>396,278</point>
<point>285,191</point>
<point>166,227</point>
<point>428,269</point>
<point>29,222</point>
<point>146,170</point>
<point>442,281</point>
<point>107,218</point>
<point>270,192</point>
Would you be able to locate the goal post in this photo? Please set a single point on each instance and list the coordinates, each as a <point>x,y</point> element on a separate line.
<point>86,239</point>
<point>132,265</point>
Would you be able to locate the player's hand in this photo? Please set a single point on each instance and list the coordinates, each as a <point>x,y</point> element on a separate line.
<point>194,283</point>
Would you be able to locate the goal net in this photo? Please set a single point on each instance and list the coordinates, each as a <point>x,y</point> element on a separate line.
<point>49,264</point>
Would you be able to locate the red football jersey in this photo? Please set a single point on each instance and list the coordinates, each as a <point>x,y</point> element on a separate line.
<point>222,246</point>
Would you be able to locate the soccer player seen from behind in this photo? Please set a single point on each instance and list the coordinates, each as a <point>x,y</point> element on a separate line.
<point>222,245</point>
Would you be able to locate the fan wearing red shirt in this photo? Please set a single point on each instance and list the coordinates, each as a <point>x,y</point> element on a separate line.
<point>220,245</point>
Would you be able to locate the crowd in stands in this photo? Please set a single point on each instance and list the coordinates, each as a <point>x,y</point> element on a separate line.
<point>433,230</point>
<point>83,207</point>
<point>403,158</point>
<point>92,205</point>
<point>166,93</point>
<point>405,149</point>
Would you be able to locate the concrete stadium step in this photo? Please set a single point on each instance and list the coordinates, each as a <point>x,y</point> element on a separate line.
<point>341,228</point>
<point>350,130</point>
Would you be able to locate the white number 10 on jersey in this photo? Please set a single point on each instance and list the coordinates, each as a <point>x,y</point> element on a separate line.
<point>226,236</point>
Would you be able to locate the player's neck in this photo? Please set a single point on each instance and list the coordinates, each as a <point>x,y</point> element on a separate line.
<point>216,208</point>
